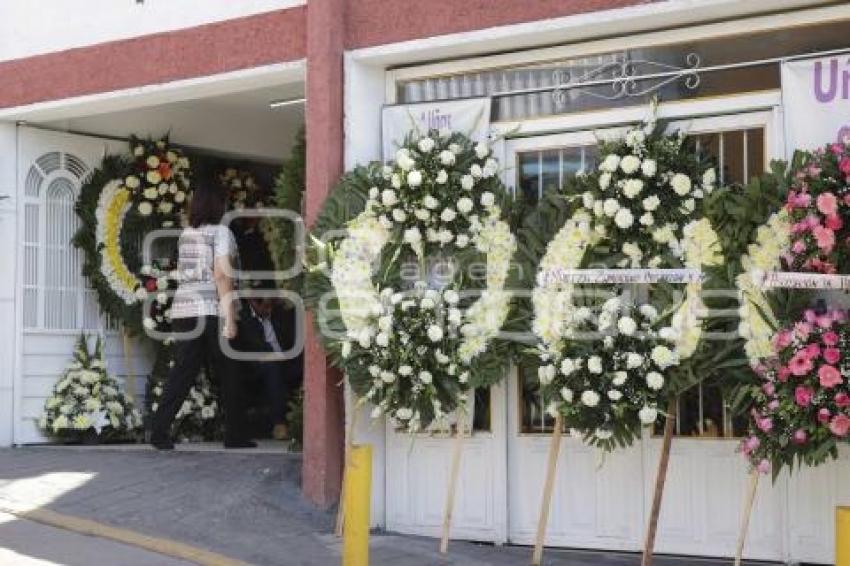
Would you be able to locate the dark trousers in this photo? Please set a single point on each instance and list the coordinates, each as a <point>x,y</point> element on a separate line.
<point>189,357</point>
<point>279,386</point>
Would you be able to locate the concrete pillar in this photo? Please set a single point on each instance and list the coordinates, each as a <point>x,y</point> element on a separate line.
<point>8,283</point>
<point>323,395</point>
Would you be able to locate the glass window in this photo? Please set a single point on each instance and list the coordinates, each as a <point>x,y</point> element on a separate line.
<point>545,170</point>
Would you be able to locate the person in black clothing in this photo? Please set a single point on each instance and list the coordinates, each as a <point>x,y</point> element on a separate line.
<point>265,327</point>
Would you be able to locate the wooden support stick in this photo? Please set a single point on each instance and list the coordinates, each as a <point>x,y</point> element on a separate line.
<point>349,444</point>
<point>749,500</point>
<point>453,476</point>
<point>548,488</point>
<point>661,478</point>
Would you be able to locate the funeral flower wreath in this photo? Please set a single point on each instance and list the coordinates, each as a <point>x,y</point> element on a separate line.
<point>640,209</point>
<point>417,323</point>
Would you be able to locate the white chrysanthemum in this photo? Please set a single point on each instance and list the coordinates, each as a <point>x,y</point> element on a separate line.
<point>620,378</point>
<point>426,144</point>
<point>435,333</point>
<point>442,177</point>
<point>567,366</point>
<point>567,394</point>
<point>649,167</point>
<point>647,219</point>
<point>663,356</point>
<point>464,205</point>
<point>610,163</point>
<point>482,150</point>
<point>467,182</point>
<point>632,188</point>
<point>605,181</point>
<point>650,203</point>
<point>488,199</point>
<point>448,215</point>
<point>414,178</point>
<point>399,215</point>
<point>615,395</point>
<point>594,364</point>
<point>388,197</point>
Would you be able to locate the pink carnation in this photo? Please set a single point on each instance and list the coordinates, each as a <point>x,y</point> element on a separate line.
<point>827,204</point>
<point>840,426</point>
<point>829,376</point>
<point>842,400</point>
<point>803,395</point>
<point>800,437</point>
<point>764,467</point>
<point>831,355</point>
<point>825,238</point>
<point>830,338</point>
<point>800,364</point>
<point>824,415</point>
<point>833,222</point>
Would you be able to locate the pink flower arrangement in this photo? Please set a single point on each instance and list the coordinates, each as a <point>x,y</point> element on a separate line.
<point>801,401</point>
<point>819,206</point>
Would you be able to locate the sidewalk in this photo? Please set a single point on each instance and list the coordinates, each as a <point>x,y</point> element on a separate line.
<point>241,504</point>
<point>25,543</point>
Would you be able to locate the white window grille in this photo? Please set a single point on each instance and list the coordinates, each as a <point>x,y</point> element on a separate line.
<point>55,293</point>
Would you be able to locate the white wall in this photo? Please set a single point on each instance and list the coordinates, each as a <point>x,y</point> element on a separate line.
<point>31,27</point>
<point>8,239</point>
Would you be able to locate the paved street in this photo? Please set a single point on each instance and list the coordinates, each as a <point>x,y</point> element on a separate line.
<point>243,505</point>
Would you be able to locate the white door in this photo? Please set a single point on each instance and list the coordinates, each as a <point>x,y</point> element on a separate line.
<point>601,502</point>
<point>418,471</point>
<point>54,303</point>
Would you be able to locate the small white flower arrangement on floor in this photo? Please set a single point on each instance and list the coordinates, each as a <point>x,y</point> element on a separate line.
<point>87,403</point>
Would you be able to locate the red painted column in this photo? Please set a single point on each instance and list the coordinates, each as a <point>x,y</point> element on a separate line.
<point>323,394</point>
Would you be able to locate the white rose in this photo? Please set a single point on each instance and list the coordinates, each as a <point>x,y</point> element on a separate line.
<point>488,199</point>
<point>382,339</point>
<point>431,202</point>
<point>165,207</point>
<point>426,145</point>
<point>651,203</point>
<point>395,181</point>
<point>179,196</point>
<point>624,218</point>
<point>587,200</point>
<point>615,395</point>
<point>649,167</point>
<point>153,162</point>
<point>150,193</point>
<point>590,398</point>
<point>567,366</point>
<point>482,150</point>
<point>465,204</point>
<point>467,182</point>
<point>425,377</point>
<point>145,208</point>
<point>620,378</point>
<point>567,394</point>
<point>654,380</point>
<point>648,415</point>
<point>681,184</point>
<point>442,177</point>
<point>629,164</point>
<point>649,311</point>
<point>633,360</point>
<point>598,208</point>
<point>604,181</point>
<point>708,179</point>
<point>404,160</point>
<point>388,197</point>
<point>594,364</point>
<point>435,333</point>
<point>399,215</point>
<point>476,171</point>
<point>635,137</point>
<point>626,325</point>
<point>447,158</point>
<point>388,376</point>
<point>610,207</point>
<point>632,187</point>
<point>689,205</point>
<point>421,214</point>
<point>153,177</point>
<point>405,370</point>
<point>462,240</point>
<point>374,370</point>
<point>132,182</point>
<point>139,150</point>
<point>448,215</point>
<point>412,235</point>
<point>610,163</point>
<point>414,178</point>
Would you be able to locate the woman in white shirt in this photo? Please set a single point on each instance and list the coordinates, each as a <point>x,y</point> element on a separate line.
<point>203,317</point>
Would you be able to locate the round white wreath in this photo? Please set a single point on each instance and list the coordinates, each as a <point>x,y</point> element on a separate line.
<point>367,310</point>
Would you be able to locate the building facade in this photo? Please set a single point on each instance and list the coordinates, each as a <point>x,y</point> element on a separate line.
<point>74,81</point>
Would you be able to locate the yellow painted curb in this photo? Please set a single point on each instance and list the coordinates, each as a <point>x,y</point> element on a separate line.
<point>88,527</point>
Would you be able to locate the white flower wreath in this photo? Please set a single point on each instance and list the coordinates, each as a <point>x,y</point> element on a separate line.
<point>418,350</point>
<point>625,377</point>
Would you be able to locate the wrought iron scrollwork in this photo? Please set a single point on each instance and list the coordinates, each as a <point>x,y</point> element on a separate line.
<point>626,78</point>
